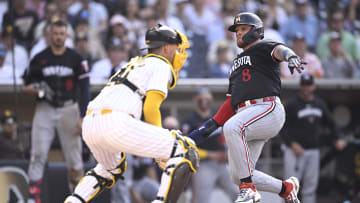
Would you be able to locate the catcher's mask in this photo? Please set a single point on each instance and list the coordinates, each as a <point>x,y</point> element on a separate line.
<point>247,18</point>
<point>160,35</point>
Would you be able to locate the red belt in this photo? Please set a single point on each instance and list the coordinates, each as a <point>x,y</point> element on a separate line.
<point>255,101</point>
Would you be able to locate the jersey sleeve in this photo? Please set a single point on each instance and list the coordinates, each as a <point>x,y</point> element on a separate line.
<point>82,70</point>
<point>33,73</point>
<point>268,48</point>
<point>160,77</point>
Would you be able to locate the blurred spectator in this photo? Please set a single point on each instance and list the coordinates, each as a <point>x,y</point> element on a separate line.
<point>105,68</point>
<point>19,56</point>
<point>23,23</point>
<point>95,45</point>
<point>44,41</point>
<point>338,64</point>
<point>38,6</point>
<point>134,23</point>
<point>305,115</point>
<point>348,41</point>
<point>313,65</point>
<point>229,41</point>
<point>221,67</point>
<point>354,17</point>
<point>165,18</point>
<point>150,22</point>
<point>269,32</point>
<point>233,7</point>
<point>52,14</point>
<point>140,184</point>
<point>9,147</point>
<point>201,18</point>
<point>213,171</point>
<point>145,186</point>
<point>97,13</point>
<point>302,21</point>
<point>118,30</point>
<point>179,13</point>
<point>276,15</point>
<point>82,46</point>
<point>171,123</point>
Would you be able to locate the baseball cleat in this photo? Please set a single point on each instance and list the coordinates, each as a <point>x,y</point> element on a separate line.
<point>292,197</point>
<point>248,194</point>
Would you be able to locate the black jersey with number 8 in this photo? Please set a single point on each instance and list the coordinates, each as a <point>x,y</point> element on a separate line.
<point>254,74</point>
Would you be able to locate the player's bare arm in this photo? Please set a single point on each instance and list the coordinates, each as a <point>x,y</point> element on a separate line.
<point>283,53</point>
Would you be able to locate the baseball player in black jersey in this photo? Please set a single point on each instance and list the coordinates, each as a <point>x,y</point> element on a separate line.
<point>305,115</point>
<point>253,112</point>
<point>55,75</point>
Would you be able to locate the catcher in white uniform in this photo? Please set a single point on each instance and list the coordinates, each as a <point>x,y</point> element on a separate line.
<point>112,126</point>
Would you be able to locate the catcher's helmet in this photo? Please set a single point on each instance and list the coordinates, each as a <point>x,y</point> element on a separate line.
<point>160,35</point>
<point>247,18</point>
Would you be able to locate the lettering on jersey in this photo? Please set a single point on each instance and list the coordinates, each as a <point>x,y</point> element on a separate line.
<point>310,112</point>
<point>238,62</point>
<point>57,70</point>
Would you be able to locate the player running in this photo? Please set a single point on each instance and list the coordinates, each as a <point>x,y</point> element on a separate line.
<point>253,112</point>
<point>112,126</point>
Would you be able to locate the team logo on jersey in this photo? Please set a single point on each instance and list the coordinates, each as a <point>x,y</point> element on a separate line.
<point>310,113</point>
<point>238,62</point>
<point>57,70</point>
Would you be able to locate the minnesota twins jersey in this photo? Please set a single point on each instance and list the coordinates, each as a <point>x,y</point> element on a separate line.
<point>254,74</point>
<point>149,73</point>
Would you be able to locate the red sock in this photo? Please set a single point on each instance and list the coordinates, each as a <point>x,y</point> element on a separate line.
<point>247,185</point>
<point>288,188</point>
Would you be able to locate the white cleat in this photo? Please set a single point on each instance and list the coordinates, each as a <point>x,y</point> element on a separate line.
<point>292,198</point>
<point>248,195</point>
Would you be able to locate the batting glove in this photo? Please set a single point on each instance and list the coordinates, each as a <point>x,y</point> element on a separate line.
<point>295,62</point>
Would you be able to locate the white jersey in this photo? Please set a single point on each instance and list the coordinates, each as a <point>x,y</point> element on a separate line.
<point>151,73</point>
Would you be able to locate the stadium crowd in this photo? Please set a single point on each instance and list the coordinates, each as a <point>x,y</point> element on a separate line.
<point>107,33</point>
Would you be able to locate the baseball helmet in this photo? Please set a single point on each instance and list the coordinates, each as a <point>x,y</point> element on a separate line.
<point>160,35</point>
<point>247,18</point>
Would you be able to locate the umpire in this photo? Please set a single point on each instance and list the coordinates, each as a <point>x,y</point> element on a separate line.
<point>55,75</point>
<point>305,115</point>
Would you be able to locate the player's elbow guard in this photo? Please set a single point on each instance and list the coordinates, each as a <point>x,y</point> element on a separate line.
<point>199,135</point>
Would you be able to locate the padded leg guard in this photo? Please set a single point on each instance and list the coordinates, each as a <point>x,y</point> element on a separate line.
<point>95,181</point>
<point>184,162</point>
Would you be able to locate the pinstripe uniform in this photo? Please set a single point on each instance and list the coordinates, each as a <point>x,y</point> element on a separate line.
<point>121,130</point>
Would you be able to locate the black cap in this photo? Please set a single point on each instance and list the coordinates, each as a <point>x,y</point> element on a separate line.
<point>306,79</point>
<point>7,117</point>
<point>160,35</point>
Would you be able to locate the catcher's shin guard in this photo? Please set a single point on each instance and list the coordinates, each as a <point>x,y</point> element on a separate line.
<point>95,181</point>
<point>179,168</point>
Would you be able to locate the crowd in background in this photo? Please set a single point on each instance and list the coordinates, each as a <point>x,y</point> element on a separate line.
<point>326,33</point>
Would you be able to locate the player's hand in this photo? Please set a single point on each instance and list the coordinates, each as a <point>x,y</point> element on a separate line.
<point>161,163</point>
<point>295,62</point>
<point>340,145</point>
<point>297,149</point>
